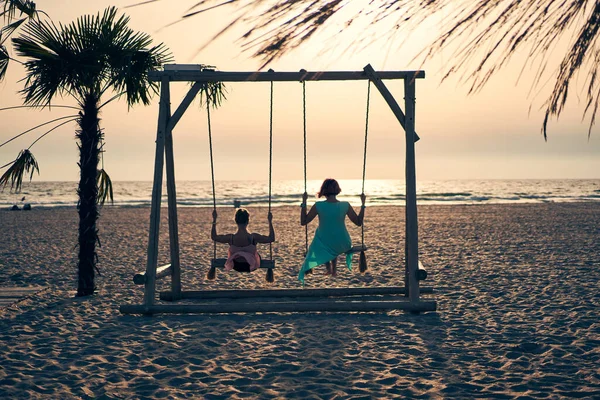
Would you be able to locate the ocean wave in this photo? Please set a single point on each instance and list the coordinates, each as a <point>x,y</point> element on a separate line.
<point>535,196</point>
<point>447,194</point>
<point>286,193</point>
<point>387,198</point>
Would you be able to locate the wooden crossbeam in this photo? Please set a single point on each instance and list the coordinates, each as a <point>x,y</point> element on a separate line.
<point>192,73</point>
<point>322,305</point>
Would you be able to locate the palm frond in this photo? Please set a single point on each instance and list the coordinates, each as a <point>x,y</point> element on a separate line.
<point>213,92</point>
<point>51,67</point>
<point>105,187</point>
<point>141,3</point>
<point>131,74</point>
<point>51,130</point>
<point>71,118</point>
<point>129,57</point>
<point>9,29</point>
<point>53,106</point>
<point>278,27</point>
<point>24,163</point>
<point>10,9</point>
<point>482,36</point>
<point>4,59</point>
<point>23,7</point>
<point>93,54</point>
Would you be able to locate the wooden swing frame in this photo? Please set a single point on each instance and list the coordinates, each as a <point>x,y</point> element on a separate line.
<point>329,299</point>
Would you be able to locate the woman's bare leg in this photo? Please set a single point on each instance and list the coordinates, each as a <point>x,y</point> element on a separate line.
<point>333,267</point>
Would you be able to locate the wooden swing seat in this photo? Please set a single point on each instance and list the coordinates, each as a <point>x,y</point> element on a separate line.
<point>220,263</point>
<point>357,249</point>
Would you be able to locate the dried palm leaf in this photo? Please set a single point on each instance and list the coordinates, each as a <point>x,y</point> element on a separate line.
<point>25,163</point>
<point>105,187</point>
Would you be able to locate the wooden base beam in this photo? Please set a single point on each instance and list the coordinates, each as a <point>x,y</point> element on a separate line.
<point>275,293</point>
<point>328,305</point>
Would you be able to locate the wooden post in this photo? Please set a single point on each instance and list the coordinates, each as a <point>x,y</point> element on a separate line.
<point>406,288</point>
<point>412,231</point>
<point>408,123</point>
<point>171,188</point>
<point>172,204</point>
<point>164,140</point>
<point>152,260</point>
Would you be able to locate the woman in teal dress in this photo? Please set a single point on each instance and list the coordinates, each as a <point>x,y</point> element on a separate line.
<point>331,237</point>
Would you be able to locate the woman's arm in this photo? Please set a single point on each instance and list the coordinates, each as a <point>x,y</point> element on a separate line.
<point>357,219</point>
<point>305,218</point>
<point>266,239</point>
<point>213,233</point>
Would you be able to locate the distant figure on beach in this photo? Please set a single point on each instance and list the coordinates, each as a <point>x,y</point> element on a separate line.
<point>331,237</point>
<point>243,255</point>
<point>237,203</point>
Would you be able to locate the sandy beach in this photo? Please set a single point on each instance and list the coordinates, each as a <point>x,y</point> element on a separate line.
<point>518,311</point>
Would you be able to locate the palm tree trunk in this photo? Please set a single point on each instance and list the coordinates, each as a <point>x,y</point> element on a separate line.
<point>89,137</point>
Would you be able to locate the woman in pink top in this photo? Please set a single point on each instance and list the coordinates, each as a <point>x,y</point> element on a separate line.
<point>243,255</point>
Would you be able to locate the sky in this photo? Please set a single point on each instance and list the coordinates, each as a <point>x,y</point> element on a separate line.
<point>494,134</point>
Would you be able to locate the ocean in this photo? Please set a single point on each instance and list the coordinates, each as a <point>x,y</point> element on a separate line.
<point>289,192</point>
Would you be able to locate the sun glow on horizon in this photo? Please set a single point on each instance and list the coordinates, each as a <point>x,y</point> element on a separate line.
<point>488,135</point>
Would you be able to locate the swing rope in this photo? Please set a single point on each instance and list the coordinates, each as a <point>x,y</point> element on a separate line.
<point>269,277</point>
<point>362,264</point>
<point>212,165</point>
<point>363,259</point>
<point>364,172</point>
<point>305,190</point>
<point>212,272</point>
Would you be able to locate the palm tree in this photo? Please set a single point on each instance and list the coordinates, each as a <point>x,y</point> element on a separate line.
<point>85,60</point>
<point>482,35</point>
